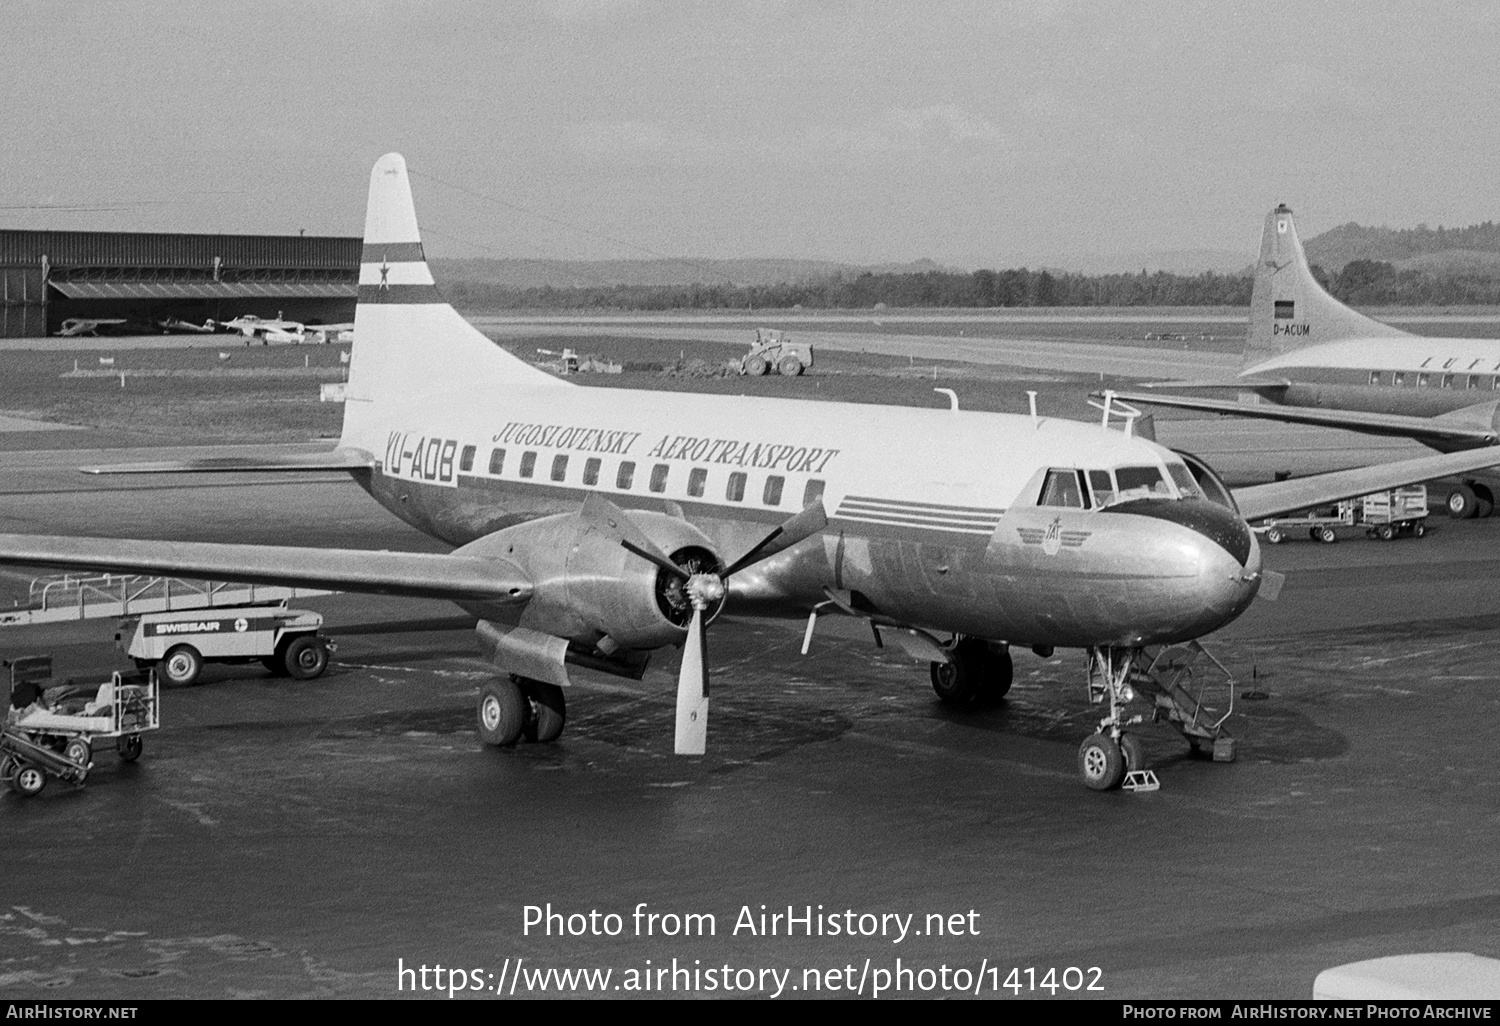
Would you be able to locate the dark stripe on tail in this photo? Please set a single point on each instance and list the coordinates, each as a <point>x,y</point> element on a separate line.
<point>392,253</point>
<point>403,294</point>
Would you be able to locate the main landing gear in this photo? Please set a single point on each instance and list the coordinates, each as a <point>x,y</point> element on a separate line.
<point>517,707</point>
<point>1176,679</point>
<point>976,672</point>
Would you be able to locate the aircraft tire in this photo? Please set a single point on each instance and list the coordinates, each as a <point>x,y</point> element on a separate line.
<point>180,666</point>
<point>1000,672</point>
<point>789,367</point>
<point>1100,762</point>
<point>548,712</point>
<point>502,712</point>
<point>306,657</point>
<point>1133,752</point>
<point>1483,508</point>
<point>1463,503</point>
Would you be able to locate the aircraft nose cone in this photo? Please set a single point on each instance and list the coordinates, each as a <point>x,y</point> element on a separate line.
<point>1219,524</point>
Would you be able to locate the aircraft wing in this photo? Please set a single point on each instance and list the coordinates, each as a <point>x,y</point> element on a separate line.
<point>1419,428</point>
<point>338,459</point>
<point>1266,500</point>
<point>1246,384</point>
<point>418,574</point>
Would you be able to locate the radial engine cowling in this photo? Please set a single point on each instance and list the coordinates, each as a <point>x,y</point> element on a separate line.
<point>587,586</point>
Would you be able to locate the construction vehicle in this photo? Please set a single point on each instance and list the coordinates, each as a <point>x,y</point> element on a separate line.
<point>52,731</point>
<point>773,348</point>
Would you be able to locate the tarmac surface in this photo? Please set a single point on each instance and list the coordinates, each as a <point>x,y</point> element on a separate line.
<point>283,838</point>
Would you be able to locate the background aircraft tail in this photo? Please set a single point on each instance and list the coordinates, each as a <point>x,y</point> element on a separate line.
<point>1288,308</point>
<point>408,342</point>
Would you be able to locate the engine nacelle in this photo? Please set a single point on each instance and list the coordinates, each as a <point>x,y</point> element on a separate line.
<point>587,587</point>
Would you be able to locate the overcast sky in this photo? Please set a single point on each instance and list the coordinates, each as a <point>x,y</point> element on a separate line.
<point>978,134</point>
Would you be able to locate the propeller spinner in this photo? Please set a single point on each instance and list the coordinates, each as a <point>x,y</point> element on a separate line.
<point>704,589</point>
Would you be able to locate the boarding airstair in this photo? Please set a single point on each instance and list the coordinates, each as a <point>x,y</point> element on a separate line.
<point>72,597</point>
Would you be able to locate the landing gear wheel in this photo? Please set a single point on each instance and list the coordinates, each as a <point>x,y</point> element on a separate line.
<point>1133,752</point>
<point>1001,673</point>
<point>1325,535</point>
<point>1483,508</point>
<point>756,366</point>
<point>502,713</point>
<point>789,367</point>
<point>547,711</point>
<point>78,752</point>
<point>306,657</point>
<point>1463,503</point>
<point>29,780</point>
<point>1274,536</point>
<point>181,665</point>
<point>972,673</point>
<point>1101,763</point>
<point>129,747</point>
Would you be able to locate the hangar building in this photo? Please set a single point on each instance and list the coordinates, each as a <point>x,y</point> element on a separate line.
<point>47,278</point>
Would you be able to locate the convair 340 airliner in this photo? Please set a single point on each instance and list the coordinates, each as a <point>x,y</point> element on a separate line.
<point>595,525</point>
<point>1309,359</point>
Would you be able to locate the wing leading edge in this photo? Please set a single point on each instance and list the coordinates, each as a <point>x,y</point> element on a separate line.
<point>1393,424</point>
<point>338,459</point>
<point>1266,500</point>
<point>417,574</point>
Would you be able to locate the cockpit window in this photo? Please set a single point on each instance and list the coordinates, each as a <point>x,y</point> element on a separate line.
<point>1183,479</point>
<point>1103,486</point>
<point>1142,483</point>
<point>1062,489</point>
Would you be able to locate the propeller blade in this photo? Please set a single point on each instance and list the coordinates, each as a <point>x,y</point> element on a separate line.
<point>692,691</point>
<point>804,525</point>
<point>609,519</point>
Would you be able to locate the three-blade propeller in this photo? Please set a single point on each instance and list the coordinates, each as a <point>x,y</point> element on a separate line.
<point>703,589</point>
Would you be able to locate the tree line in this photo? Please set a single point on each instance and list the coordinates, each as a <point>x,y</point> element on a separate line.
<point>1360,282</point>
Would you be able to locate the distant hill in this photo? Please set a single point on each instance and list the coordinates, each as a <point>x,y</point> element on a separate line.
<point>1173,261</point>
<point>565,274</point>
<point>1441,251</point>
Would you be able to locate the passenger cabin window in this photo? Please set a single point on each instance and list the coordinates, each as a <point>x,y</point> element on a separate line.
<point>497,461</point>
<point>1375,378</point>
<point>659,477</point>
<point>466,458</point>
<point>1424,379</point>
<point>625,476</point>
<point>1399,379</point>
<point>734,491</point>
<point>771,494</point>
<point>528,464</point>
<point>591,471</point>
<point>1061,488</point>
<point>1447,380</point>
<point>812,493</point>
<point>1103,486</point>
<point>1141,483</point>
<point>559,468</point>
<point>1477,381</point>
<point>697,479</point>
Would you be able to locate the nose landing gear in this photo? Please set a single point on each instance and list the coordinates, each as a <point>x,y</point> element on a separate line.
<point>1176,679</point>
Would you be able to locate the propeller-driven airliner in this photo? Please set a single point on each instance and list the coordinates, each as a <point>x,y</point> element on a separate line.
<point>1309,359</point>
<point>593,526</point>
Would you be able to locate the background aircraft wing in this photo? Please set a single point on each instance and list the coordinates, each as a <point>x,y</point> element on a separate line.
<point>420,574</point>
<point>1266,500</point>
<point>1419,428</point>
<point>338,459</point>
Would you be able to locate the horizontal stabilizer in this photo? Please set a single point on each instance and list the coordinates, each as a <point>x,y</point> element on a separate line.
<point>1267,500</point>
<point>338,459</point>
<point>1248,382</point>
<point>417,574</point>
<point>1393,424</point>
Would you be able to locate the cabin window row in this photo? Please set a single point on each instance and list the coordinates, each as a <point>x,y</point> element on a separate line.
<point>1429,379</point>
<point>625,474</point>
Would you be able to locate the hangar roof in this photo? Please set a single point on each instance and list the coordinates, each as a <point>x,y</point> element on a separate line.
<point>206,289</point>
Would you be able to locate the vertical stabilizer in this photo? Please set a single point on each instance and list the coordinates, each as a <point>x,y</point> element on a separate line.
<point>409,343</point>
<point>1288,308</point>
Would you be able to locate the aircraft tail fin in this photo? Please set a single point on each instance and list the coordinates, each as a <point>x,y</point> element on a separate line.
<point>1288,308</point>
<point>408,342</point>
